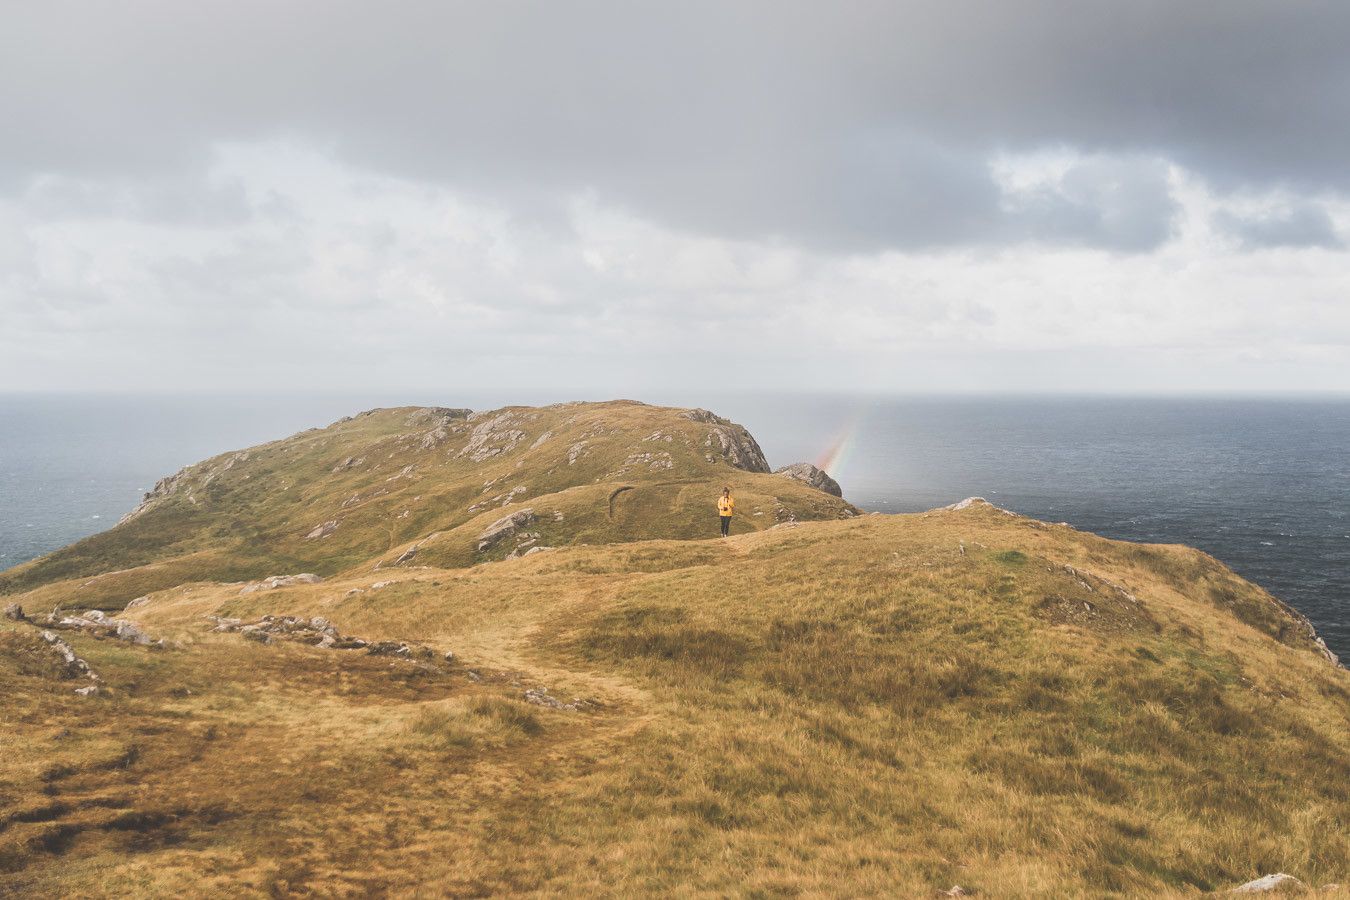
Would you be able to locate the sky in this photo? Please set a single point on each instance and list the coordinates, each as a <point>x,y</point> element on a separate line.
<point>612,198</point>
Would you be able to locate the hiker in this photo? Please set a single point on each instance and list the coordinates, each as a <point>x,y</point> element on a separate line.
<point>725,507</point>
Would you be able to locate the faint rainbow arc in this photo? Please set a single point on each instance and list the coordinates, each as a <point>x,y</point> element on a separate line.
<point>837,453</point>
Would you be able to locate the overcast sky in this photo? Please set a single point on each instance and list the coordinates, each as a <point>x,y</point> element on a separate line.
<point>609,198</point>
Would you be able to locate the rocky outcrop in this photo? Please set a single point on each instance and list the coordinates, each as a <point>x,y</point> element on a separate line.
<point>493,437</point>
<point>350,462</point>
<point>98,624</point>
<point>437,416</point>
<point>322,531</point>
<point>280,581</point>
<point>164,488</point>
<point>707,417</point>
<point>728,441</point>
<point>1277,882</point>
<point>505,527</point>
<point>734,445</point>
<point>813,476</point>
<point>976,503</point>
<point>74,666</point>
<point>319,632</point>
<point>541,697</point>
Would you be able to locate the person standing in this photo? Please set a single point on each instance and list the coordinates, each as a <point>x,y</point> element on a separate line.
<point>726,506</point>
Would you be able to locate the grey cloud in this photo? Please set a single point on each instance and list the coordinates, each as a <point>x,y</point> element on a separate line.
<point>1124,204</point>
<point>177,200</point>
<point>1296,225</point>
<point>850,126</point>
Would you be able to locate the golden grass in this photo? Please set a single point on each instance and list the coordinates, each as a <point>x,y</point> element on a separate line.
<point>854,708</point>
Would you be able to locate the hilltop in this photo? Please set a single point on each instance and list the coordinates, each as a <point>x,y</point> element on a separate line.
<point>521,661</point>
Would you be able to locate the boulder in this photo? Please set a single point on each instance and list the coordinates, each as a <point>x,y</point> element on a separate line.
<point>130,631</point>
<point>504,527</point>
<point>14,612</point>
<point>273,582</point>
<point>322,531</point>
<point>813,476</point>
<point>1278,881</point>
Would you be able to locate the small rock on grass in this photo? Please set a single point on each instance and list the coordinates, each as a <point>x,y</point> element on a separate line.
<point>1278,881</point>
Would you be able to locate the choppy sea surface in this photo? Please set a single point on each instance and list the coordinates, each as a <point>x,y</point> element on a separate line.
<point>1262,483</point>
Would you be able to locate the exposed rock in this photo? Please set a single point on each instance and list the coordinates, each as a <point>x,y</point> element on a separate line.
<point>350,462</point>
<point>130,631</point>
<point>322,531</point>
<point>656,461</point>
<point>74,666</point>
<point>576,452</point>
<point>705,416</point>
<point>137,603</point>
<point>1278,881</point>
<point>317,631</point>
<point>541,697</point>
<point>975,502</point>
<point>504,527</point>
<point>407,556</point>
<point>100,624</point>
<point>813,476</point>
<point>380,584</point>
<point>736,446</point>
<point>958,891</point>
<point>273,582</point>
<point>536,550</point>
<point>493,437</point>
<point>440,415</point>
<point>14,612</point>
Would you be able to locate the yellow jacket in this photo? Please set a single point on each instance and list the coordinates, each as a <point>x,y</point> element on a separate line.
<point>725,506</point>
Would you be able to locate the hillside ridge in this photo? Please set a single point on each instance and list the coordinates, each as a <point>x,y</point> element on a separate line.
<point>430,651</point>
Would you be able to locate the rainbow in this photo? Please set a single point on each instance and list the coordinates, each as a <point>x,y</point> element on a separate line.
<point>834,457</point>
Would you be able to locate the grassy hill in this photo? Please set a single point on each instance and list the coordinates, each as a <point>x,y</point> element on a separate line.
<point>841,705</point>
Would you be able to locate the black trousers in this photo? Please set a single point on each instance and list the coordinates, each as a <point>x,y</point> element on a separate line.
<point>726,524</point>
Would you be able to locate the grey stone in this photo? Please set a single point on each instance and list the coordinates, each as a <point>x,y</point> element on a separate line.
<point>322,531</point>
<point>504,527</point>
<point>813,476</point>
<point>273,582</point>
<point>1278,881</point>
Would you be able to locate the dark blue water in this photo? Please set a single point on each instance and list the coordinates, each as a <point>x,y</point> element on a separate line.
<point>1263,484</point>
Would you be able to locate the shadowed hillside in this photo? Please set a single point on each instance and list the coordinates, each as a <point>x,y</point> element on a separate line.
<point>826,703</point>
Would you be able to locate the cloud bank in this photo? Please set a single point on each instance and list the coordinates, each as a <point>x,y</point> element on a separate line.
<point>1123,196</point>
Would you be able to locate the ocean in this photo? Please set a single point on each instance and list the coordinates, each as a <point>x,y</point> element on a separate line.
<point>1261,483</point>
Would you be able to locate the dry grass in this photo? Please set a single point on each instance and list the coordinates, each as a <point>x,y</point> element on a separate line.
<point>880,706</point>
<point>854,708</point>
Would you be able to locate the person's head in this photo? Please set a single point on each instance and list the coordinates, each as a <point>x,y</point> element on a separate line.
<point>726,492</point>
